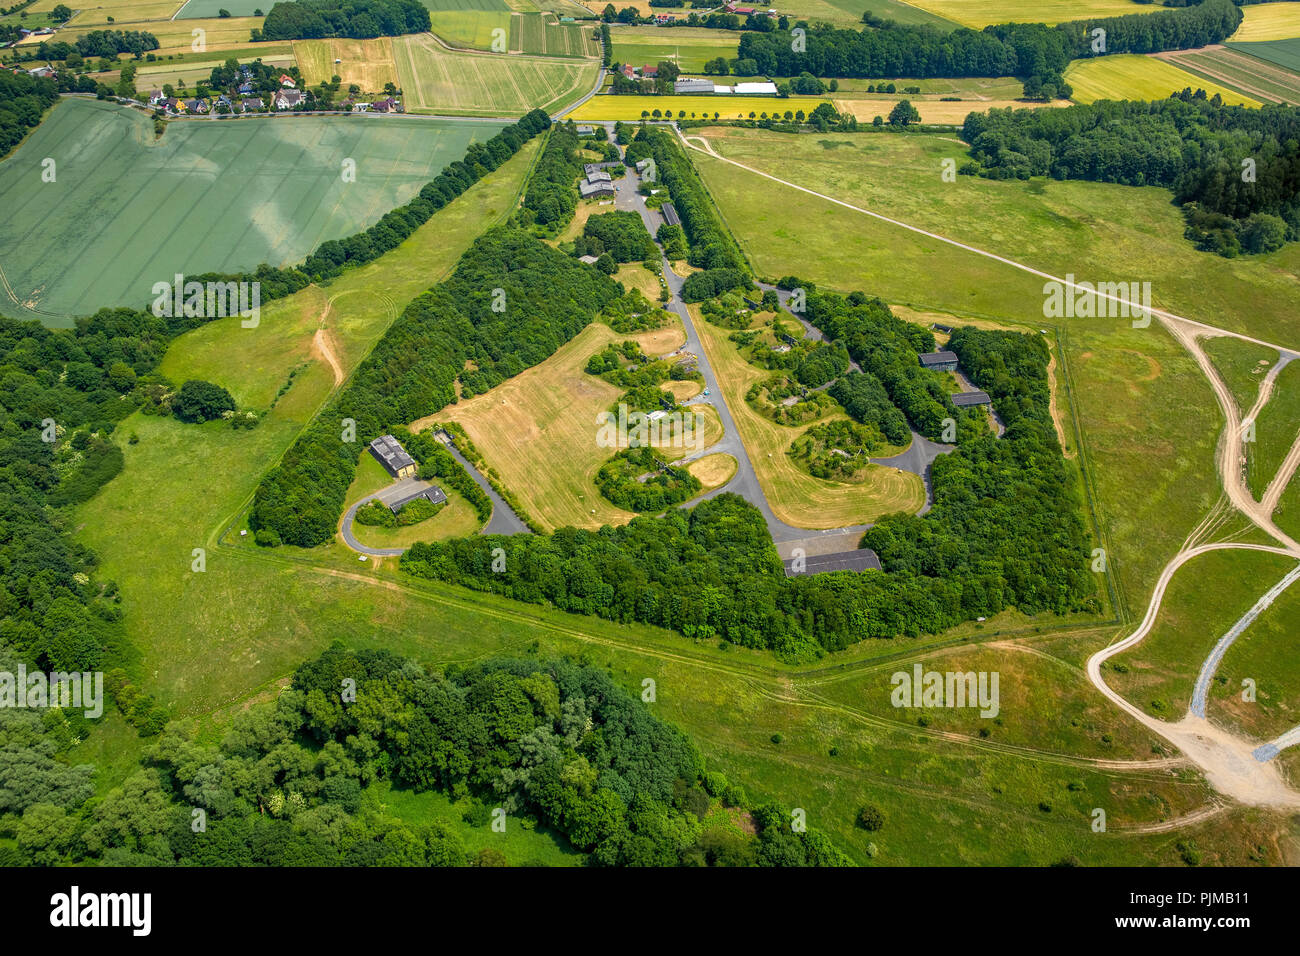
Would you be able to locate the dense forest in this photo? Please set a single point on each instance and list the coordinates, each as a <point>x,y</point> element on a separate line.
<point>107,44</point>
<point>550,200</point>
<point>1004,531</point>
<point>510,303</point>
<point>357,19</point>
<point>1027,50</point>
<point>548,746</point>
<point>1235,170</point>
<point>621,235</point>
<point>23,101</point>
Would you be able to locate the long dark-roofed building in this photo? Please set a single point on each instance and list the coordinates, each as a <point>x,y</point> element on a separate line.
<point>940,361</point>
<point>670,214</point>
<point>862,559</point>
<point>967,399</point>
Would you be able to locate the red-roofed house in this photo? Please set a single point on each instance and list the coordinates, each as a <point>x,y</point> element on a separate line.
<point>287,80</point>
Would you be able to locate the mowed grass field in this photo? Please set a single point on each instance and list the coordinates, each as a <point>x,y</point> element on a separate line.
<point>127,211</point>
<point>437,80</point>
<point>981,13</point>
<point>1268,21</point>
<point>1130,77</point>
<point>538,430</point>
<point>796,497</point>
<point>122,11</point>
<point>367,63</point>
<point>1249,75</point>
<point>688,47</point>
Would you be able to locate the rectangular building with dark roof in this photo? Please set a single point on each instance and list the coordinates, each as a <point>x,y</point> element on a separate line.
<point>940,361</point>
<point>390,453</point>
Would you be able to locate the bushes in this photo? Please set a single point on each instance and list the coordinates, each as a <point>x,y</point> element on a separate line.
<point>621,235</point>
<point>551,199</point>
<point>866,401</point>
<point>711,246</point>
<point>358,19</point>
<point>199,401</point>
<point>638,480</point>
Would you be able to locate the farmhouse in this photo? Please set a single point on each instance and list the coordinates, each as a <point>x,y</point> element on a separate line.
<point>386,105</point>
<point>940,361</point>
<point>650,72</point>
<point>390,453</point>
<point>288,99</point>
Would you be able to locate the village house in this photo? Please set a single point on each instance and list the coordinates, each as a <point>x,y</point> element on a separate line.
<point>288,99</point>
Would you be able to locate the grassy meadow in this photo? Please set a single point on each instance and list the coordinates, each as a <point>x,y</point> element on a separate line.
<point>688,47</point>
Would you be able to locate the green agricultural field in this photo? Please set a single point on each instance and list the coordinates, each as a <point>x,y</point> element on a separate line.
<point>541,34</point>
<point>1247,74</point>
<point>688,47</point>
<point>473,29</point>
<point>1159,674</point>
<point>1129,77</point>
<point>236,8</point>
<point>437,80</point>
<point>1268,21</point>
<point>438,6</point>
<point>981,13</point>
<point>127,211</point>
<point>1283,53</point>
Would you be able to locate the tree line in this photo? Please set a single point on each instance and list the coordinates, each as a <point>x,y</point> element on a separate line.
<point>23,101</point>
<point>1235,171</point>
<point>357,19</point>
<point>1026,50</point>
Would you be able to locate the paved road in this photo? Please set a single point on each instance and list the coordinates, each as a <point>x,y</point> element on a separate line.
<point>503,520</point>
<point>745,482</point>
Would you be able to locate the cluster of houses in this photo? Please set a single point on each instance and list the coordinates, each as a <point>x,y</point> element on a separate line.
<point>246,100</point>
